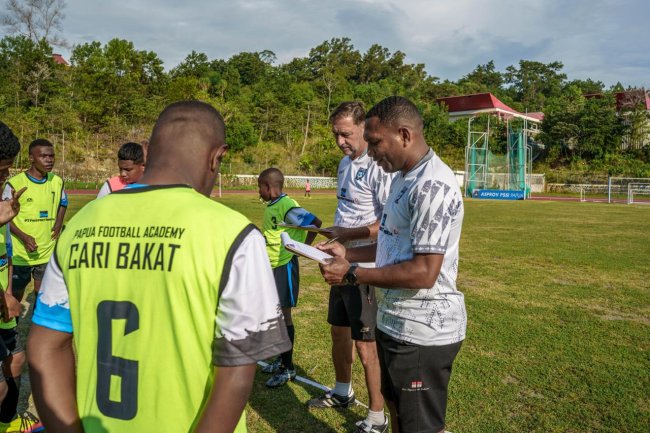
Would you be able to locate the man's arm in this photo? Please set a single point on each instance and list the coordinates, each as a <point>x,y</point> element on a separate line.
<point>344,234</point>
<point>230,391</point>
<point>10,305</point>
<point>312,235</point>
<point>364,254</point>
<point>56,230</point>
<point>52,375</point>
<point>420,272</point>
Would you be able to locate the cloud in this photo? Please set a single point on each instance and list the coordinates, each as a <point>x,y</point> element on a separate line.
<point>600,39</point>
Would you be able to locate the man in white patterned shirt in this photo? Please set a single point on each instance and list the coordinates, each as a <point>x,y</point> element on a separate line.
<point>421,317</point>
<point>362,189</point>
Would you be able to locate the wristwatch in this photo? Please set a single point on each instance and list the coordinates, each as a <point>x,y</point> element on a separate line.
<point>350,276</point>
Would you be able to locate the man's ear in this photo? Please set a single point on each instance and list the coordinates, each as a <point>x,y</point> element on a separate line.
<point>405,134</point>
<point>216,156</point>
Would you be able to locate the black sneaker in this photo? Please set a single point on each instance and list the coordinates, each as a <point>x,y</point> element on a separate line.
<point>329,399</point>
<point>365,427</point>
<point>281,377</point>
<point>273,367</point>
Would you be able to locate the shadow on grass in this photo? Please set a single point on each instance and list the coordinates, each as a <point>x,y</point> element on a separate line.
<point>285,412</point>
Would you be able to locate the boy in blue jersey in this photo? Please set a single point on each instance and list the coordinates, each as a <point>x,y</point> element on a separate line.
<point>283,209</point>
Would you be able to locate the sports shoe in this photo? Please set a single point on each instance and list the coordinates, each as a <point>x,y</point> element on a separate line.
<point>281,377</point>
<point>272,367</point>
<point>29,423</point>
<point>365,427</point>
<point>329,399</point>
<point>25,423</point>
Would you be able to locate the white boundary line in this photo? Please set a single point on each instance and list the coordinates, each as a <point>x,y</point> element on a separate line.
<point>312,383</point>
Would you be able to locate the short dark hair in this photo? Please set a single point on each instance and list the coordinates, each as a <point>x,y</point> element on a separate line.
<point>272,176</point>
<point>394,109</point>
<point>9,144</point>
<point>40,142</point>
<point>352,109</point>
<point>131,152</point>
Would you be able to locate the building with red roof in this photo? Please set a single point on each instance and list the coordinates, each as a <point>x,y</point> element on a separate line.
<point>464,106</point>
<point>59,60</point>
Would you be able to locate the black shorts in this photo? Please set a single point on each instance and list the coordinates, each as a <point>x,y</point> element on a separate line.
<point>23,275</point>
<point>9,345</point>
<point>415,378</point>
<point>287,280</point>
<point>354,307</point>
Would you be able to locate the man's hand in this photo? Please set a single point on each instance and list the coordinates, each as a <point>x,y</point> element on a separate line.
<point>336,232</point>
<point>10,208</point>
<point>334,271</point>
<point>10,307</point>
<point>332,248</point>
<point>56,231</point>
<point>30,243</point>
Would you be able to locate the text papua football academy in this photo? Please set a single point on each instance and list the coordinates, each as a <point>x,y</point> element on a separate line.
<point>153,256</point>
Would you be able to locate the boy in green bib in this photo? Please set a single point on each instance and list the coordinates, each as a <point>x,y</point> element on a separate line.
<point>38,225</point>
<point>283,209</point>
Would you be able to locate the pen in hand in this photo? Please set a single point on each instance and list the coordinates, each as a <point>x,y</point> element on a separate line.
<point>332,240</point>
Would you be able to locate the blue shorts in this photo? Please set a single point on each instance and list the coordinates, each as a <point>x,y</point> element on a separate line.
<point>287,280</point>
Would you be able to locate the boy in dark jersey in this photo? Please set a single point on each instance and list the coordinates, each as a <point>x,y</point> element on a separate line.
<point>283,209</point>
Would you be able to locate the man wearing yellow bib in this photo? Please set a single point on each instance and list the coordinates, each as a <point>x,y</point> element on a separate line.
<point>165,296</point>
<point>38,225</point>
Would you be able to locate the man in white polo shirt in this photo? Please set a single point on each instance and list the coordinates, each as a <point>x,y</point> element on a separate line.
<point>361,191</point>
<point>421,317</point>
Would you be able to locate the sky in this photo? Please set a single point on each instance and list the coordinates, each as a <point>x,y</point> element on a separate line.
<point>606,40</point>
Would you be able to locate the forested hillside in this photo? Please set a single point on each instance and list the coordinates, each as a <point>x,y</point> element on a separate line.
<point>276,113</point>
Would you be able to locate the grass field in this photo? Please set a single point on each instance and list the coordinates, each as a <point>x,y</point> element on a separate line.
<point>558,338</point>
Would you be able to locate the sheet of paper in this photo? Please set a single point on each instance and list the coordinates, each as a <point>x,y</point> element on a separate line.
<point>308,228</point>
<point>304,250</point>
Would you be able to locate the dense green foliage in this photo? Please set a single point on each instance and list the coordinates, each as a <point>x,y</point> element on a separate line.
<point>277,113</point>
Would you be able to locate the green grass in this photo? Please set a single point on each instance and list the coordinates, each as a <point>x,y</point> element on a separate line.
<point>558,337</point>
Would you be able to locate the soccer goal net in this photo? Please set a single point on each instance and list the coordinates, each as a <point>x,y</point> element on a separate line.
<point>618,187</point>
<point>634,190</point>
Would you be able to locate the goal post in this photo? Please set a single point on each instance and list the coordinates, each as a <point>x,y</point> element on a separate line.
<point>617,187</point>
<point>638,189</point>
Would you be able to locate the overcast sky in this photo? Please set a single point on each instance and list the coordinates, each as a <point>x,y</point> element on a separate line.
<point>606,40</point>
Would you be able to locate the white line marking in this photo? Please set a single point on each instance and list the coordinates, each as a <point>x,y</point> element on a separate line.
<point>311,383</point>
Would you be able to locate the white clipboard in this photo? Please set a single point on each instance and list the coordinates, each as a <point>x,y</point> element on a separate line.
<point>304,250</point>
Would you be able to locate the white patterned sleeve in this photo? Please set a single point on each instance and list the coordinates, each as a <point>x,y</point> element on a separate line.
<point>432,206</point>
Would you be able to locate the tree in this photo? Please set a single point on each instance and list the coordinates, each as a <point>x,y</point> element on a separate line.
<point>252,67</point>
<point>486,76</point>
<point>581,128</point>
<point>195,65</point>
<point>533,82</point>
<point>333,62</point>
<point>36,19</point>
<point>26,66</point>
<point>634,111</point>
